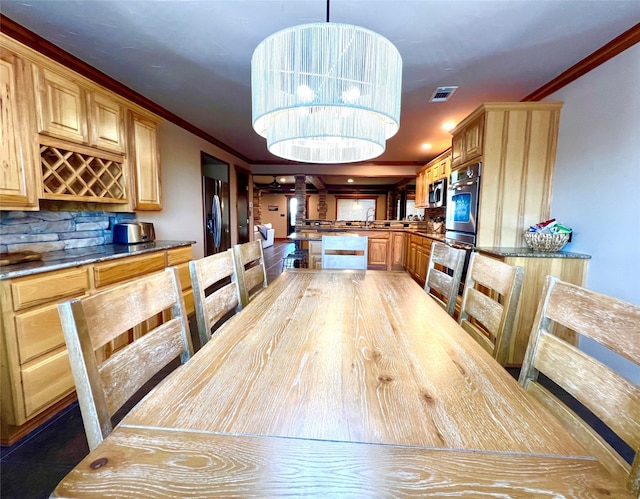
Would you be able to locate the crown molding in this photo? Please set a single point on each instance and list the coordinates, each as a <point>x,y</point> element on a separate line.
<point>592,61</point>
<point>55,53</point>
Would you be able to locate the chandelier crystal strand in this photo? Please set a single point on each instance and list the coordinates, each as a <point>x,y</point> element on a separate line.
<point>326,93</point>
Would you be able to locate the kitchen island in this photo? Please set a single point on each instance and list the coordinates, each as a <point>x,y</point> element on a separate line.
<point>35,373</point>
<point>388,241</point>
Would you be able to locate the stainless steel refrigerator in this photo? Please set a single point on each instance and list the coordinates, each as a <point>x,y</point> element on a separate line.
<point>216,215</point>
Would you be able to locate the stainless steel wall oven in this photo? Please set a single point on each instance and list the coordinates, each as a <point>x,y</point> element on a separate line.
<point>462,204</point>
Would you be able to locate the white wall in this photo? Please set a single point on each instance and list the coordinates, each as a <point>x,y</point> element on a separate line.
<point>597,174</point>
<point>181,217</point>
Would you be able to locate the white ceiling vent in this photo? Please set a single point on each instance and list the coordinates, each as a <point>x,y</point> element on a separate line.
<point>442,94</point>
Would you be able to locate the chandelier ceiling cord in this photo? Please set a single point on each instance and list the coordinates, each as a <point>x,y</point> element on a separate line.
<point>326,92</point>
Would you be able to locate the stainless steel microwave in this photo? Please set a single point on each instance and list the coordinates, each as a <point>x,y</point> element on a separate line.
<point>438,193</point>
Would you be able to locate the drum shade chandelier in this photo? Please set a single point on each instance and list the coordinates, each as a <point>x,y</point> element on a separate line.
<point>326,92</point>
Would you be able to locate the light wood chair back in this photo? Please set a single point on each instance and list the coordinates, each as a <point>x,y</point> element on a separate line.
<point>489,303</point>
<point>439,284</point>
<point>345,252</point>
<point>90,322</point>
<point>250,270</point>
<point>215,291</point>
<point>614,399</point>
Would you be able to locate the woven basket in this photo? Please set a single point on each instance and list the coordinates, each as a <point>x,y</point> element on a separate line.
<point>539,241</point>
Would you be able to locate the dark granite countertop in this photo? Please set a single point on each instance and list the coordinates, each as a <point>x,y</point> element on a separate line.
<point>55,260</point>
<point>529,253</point>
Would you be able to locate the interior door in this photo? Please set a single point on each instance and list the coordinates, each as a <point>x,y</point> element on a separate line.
<point>242,182</point>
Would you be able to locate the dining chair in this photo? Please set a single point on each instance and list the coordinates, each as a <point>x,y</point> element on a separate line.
<point>489,303</point>
<point>611,397</point>
<point>251,273</point>
<point>441,285</point>
<point>90,322</point>
<point>215,290</point>
<point>344,252</point>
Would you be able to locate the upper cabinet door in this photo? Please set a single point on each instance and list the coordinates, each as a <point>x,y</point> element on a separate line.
<point>60,106</point>
<point>17,166</point>
<point>473,137</point>
<point>106,122</point>
<point>144,163</point>
<point>457,145</point>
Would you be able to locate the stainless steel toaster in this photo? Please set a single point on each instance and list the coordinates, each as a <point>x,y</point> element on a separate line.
<point>133,233</point>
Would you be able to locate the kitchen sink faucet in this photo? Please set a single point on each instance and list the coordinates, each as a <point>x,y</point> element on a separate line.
<point>366,218</point>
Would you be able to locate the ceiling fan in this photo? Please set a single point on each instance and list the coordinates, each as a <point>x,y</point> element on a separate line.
<point>274,184</point>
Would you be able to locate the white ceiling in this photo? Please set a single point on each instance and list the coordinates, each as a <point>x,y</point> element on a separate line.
<point>193,57</point>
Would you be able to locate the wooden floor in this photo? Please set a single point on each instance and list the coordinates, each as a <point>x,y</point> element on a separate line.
<point>273,256</point>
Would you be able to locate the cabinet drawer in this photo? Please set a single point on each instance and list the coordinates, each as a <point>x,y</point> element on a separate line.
<point>375,235</point>
<point>38,332</point>
<point>122,270</point>
<point>417,239</point>
<point>185,276</point>
<point>179,255</point>
<point>45,382</point>
<point>29,291</point>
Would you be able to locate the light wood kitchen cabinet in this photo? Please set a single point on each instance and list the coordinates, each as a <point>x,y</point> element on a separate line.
<point>378,250</point>
<point>517,150</point>
<point>68,110</point>
<point>422,188</point>
<point>35,369</point>
<point>144,162</point>
<point>437,168</point>
<point>106,122</point>
<point>441,166</point>
<point>397,250</point>
<point>467,141</point>
<point>536,269</point>
<point>70,137</point>
<point>18,189</point>
<point>410,256</point>
<point>35,373</point>
<point>60,106</point>
<point>418,254</point>
<point>125,269</point>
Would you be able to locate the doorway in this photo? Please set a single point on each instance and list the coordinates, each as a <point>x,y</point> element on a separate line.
<point>292,208</point>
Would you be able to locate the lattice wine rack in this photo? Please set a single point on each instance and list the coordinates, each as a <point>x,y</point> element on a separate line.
<point>72,175</point>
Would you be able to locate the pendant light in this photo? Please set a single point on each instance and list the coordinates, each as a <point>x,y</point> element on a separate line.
<point>326,92</point>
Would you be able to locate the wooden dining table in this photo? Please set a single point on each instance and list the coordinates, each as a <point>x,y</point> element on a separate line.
<point>340,384</point>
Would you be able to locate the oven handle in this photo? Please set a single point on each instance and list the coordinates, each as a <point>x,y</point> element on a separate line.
<point>464,183</point>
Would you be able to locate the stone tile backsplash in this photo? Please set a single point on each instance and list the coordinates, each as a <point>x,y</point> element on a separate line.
<point>45,231</point>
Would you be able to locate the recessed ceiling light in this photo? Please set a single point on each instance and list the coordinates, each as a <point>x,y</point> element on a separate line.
<point>448,125</point>
<point>350,180</point>
<point>426,146</point>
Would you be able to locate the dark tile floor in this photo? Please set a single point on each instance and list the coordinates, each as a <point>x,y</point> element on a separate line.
<point>32,467</point>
